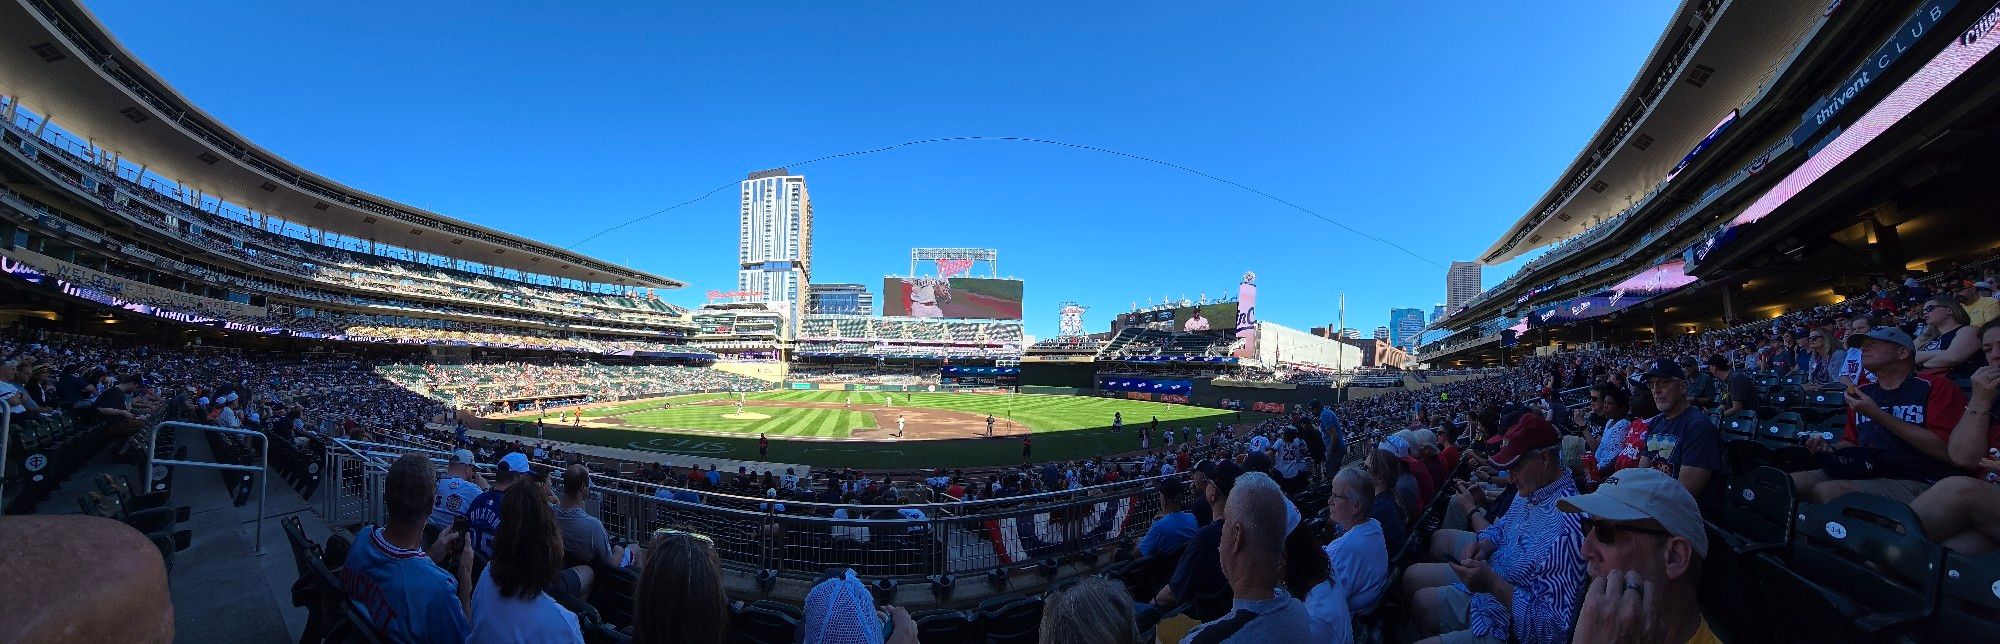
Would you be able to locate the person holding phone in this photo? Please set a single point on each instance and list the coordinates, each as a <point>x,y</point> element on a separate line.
<point>1963,512</point>
<point>1897,427</point>
<point>411,594</point>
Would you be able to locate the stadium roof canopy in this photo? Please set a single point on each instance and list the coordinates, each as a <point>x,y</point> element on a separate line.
<point>1711,58</point>
<point>59,61</point>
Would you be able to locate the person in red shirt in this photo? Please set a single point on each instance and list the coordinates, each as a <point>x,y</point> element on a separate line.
<point>1901,421</point>
<point>1963,512</point>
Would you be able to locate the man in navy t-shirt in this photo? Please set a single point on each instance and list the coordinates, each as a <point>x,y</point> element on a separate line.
<point>1681,441</point>
<point>1897,427</point>
<point>484,513</point>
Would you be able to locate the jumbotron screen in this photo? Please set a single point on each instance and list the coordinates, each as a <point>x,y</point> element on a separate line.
<point>958,297</point>
<point>1213,318</point>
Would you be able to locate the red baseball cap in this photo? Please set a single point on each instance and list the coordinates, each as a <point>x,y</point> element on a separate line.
<point>1531,432</point>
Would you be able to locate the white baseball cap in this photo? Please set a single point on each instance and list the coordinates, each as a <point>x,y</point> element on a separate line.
<point>514,462</point>
<point>1639,493</point>
<point>462,457</point>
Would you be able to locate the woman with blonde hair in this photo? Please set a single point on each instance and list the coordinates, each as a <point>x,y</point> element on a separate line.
<point>1949,343</point>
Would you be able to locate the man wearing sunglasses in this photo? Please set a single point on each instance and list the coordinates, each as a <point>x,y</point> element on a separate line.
<point>1645,547</point>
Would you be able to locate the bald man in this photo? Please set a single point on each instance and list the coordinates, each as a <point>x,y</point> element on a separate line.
<point>94,580</point>
<point>1253,560</point>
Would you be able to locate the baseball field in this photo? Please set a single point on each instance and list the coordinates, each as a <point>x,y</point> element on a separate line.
<point>876,430</point>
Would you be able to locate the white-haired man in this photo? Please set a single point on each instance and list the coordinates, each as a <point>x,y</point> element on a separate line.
<point>1253,560</point>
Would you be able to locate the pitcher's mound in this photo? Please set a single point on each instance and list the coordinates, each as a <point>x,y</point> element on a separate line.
<point>748,415</point>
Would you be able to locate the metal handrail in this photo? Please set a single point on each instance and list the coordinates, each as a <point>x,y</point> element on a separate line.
<point>6,429</point>
<point>262,468</point>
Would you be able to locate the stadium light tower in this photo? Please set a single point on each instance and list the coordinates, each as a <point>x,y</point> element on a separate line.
<point>1072,320</point>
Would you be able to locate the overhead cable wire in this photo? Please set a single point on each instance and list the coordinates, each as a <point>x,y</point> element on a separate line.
<point>1023,139</point>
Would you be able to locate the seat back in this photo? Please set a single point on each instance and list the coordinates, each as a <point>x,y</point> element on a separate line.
<point>1864,558</point>
<point>1015,621</point>
<point>613,593</point>
<point>1969,599</point>
<point>756,623</point>
<point>1785,427</point>
<point>1742,455</point>
<point>947,627</point>
<point>1789,395</point>
<point>1757,509</point>
<point>1741,425</point>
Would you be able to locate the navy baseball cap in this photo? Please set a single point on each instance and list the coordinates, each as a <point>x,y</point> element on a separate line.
<point>1664,368</point>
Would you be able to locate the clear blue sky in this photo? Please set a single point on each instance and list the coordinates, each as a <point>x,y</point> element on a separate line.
<point>1434,125</point>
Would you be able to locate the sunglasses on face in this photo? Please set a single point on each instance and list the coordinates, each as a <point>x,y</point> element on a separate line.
<point>1607,532</point>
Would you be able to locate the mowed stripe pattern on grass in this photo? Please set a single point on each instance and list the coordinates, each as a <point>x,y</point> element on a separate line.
<point>1042,413</point>
<point>783,421</point>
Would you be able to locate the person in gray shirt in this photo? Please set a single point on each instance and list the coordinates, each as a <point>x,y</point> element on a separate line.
<point>585,542</point>
<point>1253,560</point>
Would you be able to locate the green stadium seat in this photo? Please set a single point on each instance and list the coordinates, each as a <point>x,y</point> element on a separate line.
<point>1861,569</point>
<point>1969,600</point>
<point>1783,429</point>
<point>1743,455</point>
<point>947,627</point>
<point>1742,425</point>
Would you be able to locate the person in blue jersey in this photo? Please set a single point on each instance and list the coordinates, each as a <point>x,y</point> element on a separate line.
<point>406,594</point>
<point>484,513</point>
<point>456,491</point>
<point>1175,525</point>
<point>1334,433</point>
<point>508,602</point>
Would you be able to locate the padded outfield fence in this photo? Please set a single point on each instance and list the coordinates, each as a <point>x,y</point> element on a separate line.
<point>804,540</point>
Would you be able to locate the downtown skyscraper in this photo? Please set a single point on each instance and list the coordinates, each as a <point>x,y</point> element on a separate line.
<point>774,243</point>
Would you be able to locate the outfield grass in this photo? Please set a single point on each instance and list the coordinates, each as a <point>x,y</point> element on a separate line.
<point>1064,427</point>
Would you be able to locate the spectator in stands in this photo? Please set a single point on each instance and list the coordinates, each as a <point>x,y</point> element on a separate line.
<point>1335,433</point>
<point>408,596</point>
<point>76,578</point>
<point>1703,390</point>
<point>1609,424</point>
<point>840,610</point>
<point>1900,422</point>
<point>1963,512</point>
<point>1425,443</point>
<point>1390,507</point>
<point>460,486</point>
<point>1819,364</point>
<point>1175,526</point>
<point>484,513</point>
<point>508,603</point>
<point>1252,554</point>
<point>1093,611</point>
<point>1949,344</point>
<point>679,598</point>
<point>1358,559</point>
<point>585,543</point>
<point>1980,307</point>
<point>1644,555</point>
<point>1199,571</point>
<point>1681,441</point>
<point>115,405</point>
<point>1738,393</point>
<point>1518,578</point>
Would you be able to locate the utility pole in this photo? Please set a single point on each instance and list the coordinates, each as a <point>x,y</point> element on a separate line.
<point>1339,351</point>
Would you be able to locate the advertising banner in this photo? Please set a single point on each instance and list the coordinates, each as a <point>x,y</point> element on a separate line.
<point>1174,398</point>
<point>1268,407</point>
<point>1230,403</point>
<point>1138,396</point>
<point>1246,318</point>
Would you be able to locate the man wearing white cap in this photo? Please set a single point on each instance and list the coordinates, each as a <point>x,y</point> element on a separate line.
<point>1644,547</point>
<point>461,484</point>
<point>484,513</point>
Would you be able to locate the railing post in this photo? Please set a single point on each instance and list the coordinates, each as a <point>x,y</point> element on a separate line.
<point>6,431</point>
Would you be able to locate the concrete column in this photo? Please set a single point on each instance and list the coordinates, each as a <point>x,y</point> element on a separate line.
<point>1732,305</point>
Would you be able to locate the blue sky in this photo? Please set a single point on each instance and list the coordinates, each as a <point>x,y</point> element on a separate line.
<point>1434,125</point>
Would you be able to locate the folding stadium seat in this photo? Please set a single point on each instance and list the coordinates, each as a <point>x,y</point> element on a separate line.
<point>1743,455</point>
<point>1860,569</point>
<point>1783,429</point>
<point>947,627</point>
<point>1785,397</point>
<point>1969,600</point>
<point>1011,619</point>
<point>1145,575</point>
<point>1742,425</point>
<point>765,622</point>
<point>612,593</point>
